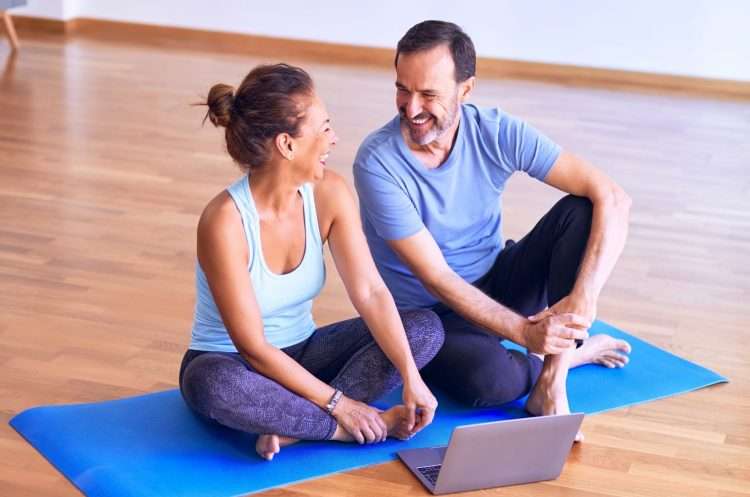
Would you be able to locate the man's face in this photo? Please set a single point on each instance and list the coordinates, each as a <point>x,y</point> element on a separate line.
<point>427,93</point>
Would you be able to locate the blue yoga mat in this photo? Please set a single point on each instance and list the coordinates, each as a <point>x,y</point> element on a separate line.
<point>152,445</point>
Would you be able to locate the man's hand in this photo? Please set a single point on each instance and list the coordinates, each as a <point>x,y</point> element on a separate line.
<point>360,420</point>
<point>550,333</point>
<point>572,303</point>
<point>420,404</point>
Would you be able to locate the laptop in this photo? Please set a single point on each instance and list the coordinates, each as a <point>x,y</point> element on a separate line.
<point>496,454</point>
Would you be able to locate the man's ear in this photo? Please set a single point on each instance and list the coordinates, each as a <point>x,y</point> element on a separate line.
<point>285,145</point>
<point>465,88</point>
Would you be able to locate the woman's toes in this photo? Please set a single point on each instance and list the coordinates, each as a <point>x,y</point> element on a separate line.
<point>267,446</point>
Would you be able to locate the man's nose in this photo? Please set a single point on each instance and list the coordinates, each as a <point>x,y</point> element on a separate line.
<point>413,106</point>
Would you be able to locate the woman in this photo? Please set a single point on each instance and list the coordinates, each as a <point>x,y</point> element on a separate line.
<point>256,362</point>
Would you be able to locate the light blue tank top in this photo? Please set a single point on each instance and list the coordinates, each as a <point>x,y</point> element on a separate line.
<point>285,301</point>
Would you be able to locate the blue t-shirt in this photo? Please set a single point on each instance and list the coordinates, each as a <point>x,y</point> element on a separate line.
<point>459,202</point>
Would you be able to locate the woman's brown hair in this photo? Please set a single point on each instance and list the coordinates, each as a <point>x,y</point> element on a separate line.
<point>269,101</point>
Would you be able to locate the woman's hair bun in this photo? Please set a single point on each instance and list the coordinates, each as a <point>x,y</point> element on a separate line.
<point>220,101</point>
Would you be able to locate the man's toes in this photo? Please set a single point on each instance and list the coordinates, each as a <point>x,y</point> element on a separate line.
<point>617,358</point>
<point>624,346</point>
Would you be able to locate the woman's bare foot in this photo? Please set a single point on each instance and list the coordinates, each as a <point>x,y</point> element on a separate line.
<point>549,398</point>
<point>602,349</point>
<point>395,419</point>
<point>268,446</point>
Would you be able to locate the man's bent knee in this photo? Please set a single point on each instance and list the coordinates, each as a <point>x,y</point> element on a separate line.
<point>580,208</point>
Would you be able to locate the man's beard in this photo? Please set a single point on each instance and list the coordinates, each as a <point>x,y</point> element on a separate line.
<point>435,131</point>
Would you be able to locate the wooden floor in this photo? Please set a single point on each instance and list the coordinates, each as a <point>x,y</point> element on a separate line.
<point>104,169</point>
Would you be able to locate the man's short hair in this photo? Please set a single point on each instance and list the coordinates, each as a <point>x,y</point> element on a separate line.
<point>429,34</point>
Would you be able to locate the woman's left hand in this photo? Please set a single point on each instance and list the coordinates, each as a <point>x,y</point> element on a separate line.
<point>420,404</point>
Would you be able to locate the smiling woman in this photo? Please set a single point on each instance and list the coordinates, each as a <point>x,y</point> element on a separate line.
<point>256,361</point>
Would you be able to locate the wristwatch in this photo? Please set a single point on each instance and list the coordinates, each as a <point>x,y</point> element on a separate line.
<point>334,401</point>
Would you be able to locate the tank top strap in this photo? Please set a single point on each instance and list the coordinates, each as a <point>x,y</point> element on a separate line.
<point>311,215</point>
<point>239,191</point>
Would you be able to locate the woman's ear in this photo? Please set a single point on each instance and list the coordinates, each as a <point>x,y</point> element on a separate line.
<point>285,145</point>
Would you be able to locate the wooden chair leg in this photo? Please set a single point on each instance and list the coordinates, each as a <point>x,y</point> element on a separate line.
<point>10,29</point>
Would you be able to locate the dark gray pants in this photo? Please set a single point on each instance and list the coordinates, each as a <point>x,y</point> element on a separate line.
<point>527,276</point>
<point>223,387</point>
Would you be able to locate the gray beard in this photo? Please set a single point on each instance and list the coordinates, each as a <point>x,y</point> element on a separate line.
<point>436,132</point>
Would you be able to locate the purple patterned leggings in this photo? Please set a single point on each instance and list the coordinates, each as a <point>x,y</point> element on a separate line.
<point>223,387</point>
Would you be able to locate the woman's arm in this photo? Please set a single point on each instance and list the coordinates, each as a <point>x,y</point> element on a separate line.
<point>223,256</point>
<point>369,294</point>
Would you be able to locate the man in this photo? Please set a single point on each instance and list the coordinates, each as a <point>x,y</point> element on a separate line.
<point>430,184</point>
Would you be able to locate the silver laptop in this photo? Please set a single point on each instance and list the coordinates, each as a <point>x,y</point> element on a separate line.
<point>495,454</point>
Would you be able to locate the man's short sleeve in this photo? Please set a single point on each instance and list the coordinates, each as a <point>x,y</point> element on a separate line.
<point>385,203</point>
<point>523,148</point>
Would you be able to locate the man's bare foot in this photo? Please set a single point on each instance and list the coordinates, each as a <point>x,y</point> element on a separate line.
<point>268,446</point>
<point>547,399</point>
<point>602,349</point>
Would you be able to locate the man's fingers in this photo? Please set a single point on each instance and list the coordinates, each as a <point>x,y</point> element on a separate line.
<point>539,316</point>
<point>572,333</point>
<point>573,319</point>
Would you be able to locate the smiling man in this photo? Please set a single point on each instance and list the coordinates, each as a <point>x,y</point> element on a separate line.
<point>430,184</point>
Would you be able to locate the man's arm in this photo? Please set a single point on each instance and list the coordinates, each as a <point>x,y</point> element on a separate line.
<point>422,255</point>
<point>609,229</point>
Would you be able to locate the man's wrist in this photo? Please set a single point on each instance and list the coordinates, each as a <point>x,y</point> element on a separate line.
<point>516,329</point>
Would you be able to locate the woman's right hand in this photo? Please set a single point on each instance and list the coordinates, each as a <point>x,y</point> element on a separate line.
<point>361,421</point>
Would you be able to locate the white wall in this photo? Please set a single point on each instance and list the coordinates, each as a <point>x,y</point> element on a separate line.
<point>46,9</point>
<point>691,37</point>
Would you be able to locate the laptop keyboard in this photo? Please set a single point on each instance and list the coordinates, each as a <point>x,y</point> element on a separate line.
<point>430,472</point>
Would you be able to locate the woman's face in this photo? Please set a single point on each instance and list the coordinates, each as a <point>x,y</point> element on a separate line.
<point>315,142</point>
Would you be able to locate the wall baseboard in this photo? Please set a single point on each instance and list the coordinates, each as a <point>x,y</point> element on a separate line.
<point>265,46</point>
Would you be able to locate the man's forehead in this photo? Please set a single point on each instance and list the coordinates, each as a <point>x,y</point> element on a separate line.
<point>426,67</point>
